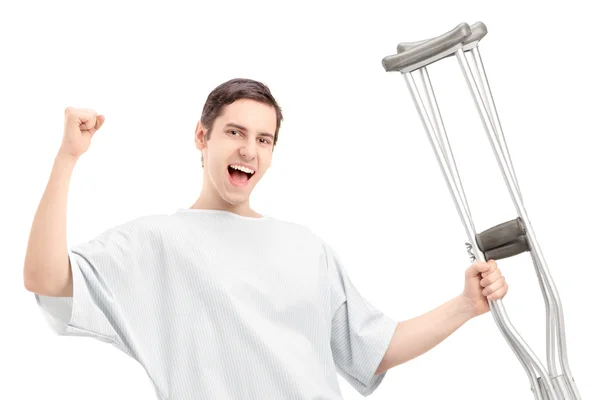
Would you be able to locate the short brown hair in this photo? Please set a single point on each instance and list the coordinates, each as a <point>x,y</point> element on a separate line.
<point>236,89</point>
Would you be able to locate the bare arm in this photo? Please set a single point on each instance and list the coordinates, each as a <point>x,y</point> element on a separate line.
<point>418,335</point>
<point>47,270</point>
<point>483,282</point>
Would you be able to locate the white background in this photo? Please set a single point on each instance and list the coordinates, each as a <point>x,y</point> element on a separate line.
<point>353,163</point>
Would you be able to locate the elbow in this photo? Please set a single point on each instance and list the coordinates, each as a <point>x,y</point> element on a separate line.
<point>29,280</point>
<point>33,273</point>
<point>383,367</point>
<point>34,284</point>
<point>39,284</point>
<point>29,285</point>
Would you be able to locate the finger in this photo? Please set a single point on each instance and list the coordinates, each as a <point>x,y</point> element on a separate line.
<point>493,267</point>
<point>74,110</point>
<point>500,293</point>
<point>491,278</point>
<point>99,122</point>
<point>88,110</point>
<point>80,119</point>
<point>88,121</point>
<point>85,118</point>
<point>492,287</point>
<point>476,268</point>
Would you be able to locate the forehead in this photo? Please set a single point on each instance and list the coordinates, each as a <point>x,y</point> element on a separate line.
<point>251,114</point>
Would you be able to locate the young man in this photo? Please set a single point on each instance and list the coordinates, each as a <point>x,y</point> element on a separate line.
<point>218,301</point>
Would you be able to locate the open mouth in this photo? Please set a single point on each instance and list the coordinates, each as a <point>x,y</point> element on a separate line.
<point>239,175</point>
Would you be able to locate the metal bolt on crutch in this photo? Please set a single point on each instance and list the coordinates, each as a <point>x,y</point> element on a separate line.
<point>503,240</point>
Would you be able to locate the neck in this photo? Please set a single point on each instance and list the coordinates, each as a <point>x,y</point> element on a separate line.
<point>211,200</point>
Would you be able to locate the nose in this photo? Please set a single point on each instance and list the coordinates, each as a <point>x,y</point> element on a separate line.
<point>248,151</point>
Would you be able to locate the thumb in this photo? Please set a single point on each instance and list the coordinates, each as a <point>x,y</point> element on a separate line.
<point>99,122</point>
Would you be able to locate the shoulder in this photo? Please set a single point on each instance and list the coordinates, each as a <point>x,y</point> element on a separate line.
<point>143,224</point>
<point>132,231</point>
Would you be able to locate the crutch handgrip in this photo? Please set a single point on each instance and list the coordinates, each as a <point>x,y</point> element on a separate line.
<point>517,246</point>
<point>504,240</point>
<point>500,234</point>
<point>417,54</point>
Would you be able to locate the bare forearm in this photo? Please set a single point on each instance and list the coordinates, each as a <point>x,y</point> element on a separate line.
<point>416,336</point>
<point>46,257</point>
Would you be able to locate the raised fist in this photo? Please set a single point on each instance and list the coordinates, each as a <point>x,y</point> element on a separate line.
<point>80,126</point>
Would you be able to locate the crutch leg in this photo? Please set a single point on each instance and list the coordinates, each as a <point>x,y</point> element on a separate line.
<point>486,93</point>
<point>446,150</point>
<point>521,349</point>
<point>564,383</point>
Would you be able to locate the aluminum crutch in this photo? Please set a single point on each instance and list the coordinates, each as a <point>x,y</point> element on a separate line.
<point>504,240</point>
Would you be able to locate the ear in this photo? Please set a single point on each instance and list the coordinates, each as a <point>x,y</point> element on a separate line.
<point>200,136</point>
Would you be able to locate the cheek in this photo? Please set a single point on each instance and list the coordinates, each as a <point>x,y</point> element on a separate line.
<point>213,167</point>
<point>264,166</point>
<point>216,157</point>
<point>266,159</point>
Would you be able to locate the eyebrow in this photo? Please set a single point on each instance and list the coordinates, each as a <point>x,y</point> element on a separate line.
<point>242,128</point>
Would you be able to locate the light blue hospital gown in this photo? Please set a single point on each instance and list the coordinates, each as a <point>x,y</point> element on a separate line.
<point>215,305</point>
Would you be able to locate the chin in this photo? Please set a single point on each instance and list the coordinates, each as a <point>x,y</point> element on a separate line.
<point>235,199</point>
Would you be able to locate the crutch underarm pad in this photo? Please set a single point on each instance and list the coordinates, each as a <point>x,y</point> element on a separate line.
<point>478,31</point>
<point>417,52</point>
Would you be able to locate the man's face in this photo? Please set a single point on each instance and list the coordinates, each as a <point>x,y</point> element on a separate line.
<point>242,136</point>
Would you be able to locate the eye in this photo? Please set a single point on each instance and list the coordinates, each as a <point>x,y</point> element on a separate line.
<point>233,132</point>
<point>266,141</point>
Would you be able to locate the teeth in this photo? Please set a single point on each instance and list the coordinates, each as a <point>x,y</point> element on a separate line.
<point>243,169</point>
